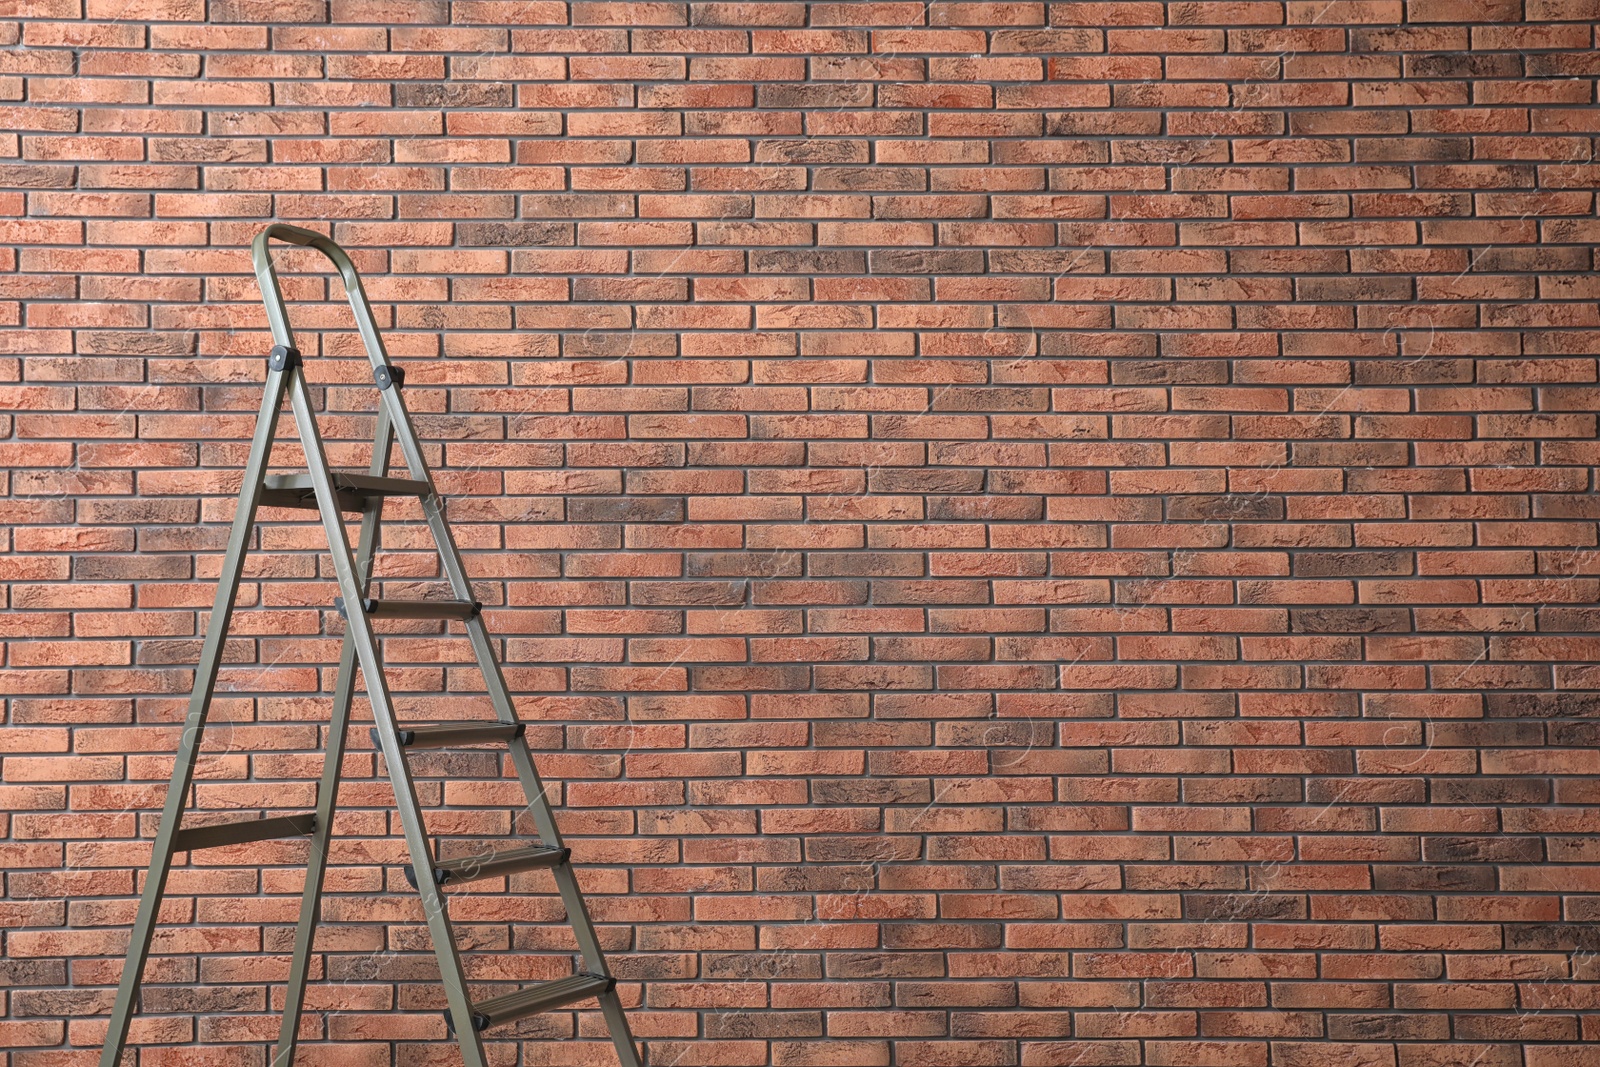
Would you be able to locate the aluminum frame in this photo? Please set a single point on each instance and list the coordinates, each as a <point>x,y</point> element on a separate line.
<point>353,571</point>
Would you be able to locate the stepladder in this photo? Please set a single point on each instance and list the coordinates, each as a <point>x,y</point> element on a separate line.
<point>433,872</point>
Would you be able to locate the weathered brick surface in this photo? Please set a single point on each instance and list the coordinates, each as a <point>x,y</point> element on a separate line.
<point>1027,533</point>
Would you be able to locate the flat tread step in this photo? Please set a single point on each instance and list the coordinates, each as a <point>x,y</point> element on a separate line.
<point>416,609</point>
<point>241,831</point>
<point>542,996</point>
<point>355,488</point>
<point>464,869</point>
<point>452,734</point>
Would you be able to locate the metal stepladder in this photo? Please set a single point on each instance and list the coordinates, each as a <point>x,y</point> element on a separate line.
<point>330,493</point>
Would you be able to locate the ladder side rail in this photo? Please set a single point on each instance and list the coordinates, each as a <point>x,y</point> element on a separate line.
<point>617,1027</point>
<point>566,882</point>
<point>205,679</point>
<point>583,931</point>
<point>328,788</point>
<point>499,695</point>
<point>360,633</point>
<point>521,756</point>
<point>500,698</point>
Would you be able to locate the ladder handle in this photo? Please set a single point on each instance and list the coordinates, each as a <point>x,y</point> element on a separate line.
<point>272,297</point>
<point>262,255</point>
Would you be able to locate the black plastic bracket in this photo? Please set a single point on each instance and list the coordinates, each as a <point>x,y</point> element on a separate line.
<point>338,605</point>
<point>282,357</point>
<point>386,376</point>
<point>439,878</point>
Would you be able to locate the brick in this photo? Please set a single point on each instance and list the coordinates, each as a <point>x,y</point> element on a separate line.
<point>1088,464</point>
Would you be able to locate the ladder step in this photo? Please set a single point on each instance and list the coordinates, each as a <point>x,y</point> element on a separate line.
<point>465,869</point>
<point>452,734</point>
<point>537,998</point>
<point>237,833</point>
<point>354,489</point>
<point>415,609</point>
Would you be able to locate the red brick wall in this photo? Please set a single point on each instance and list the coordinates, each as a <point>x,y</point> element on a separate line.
<point>1030,533</point>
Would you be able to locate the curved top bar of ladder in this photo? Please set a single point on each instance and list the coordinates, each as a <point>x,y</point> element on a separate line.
<point>272,297</point>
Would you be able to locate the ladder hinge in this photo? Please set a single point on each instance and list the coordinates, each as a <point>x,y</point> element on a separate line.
<point>386,376</point>
<point>283,357</point>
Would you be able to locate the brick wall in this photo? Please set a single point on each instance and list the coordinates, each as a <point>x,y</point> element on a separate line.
<point>1028,533</point>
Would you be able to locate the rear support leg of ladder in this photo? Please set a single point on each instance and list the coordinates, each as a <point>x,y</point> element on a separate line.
<point>328,788</point>
<point>205,679</point>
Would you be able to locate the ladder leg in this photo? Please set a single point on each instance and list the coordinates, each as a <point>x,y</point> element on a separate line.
<point>617,1024</point>
<point>359,631</point>
<point>316,861</point>
<point>205,680</point>
<point>577,912</point>
<point>544,821</point>
<point>328,789</point>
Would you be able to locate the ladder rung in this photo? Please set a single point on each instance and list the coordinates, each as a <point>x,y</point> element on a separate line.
<point>415,609</point>
<point>237,833</point>
<point>354,489</point>
<point>465,869</point>
<point>540,997</point>
<point>451,734</point>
